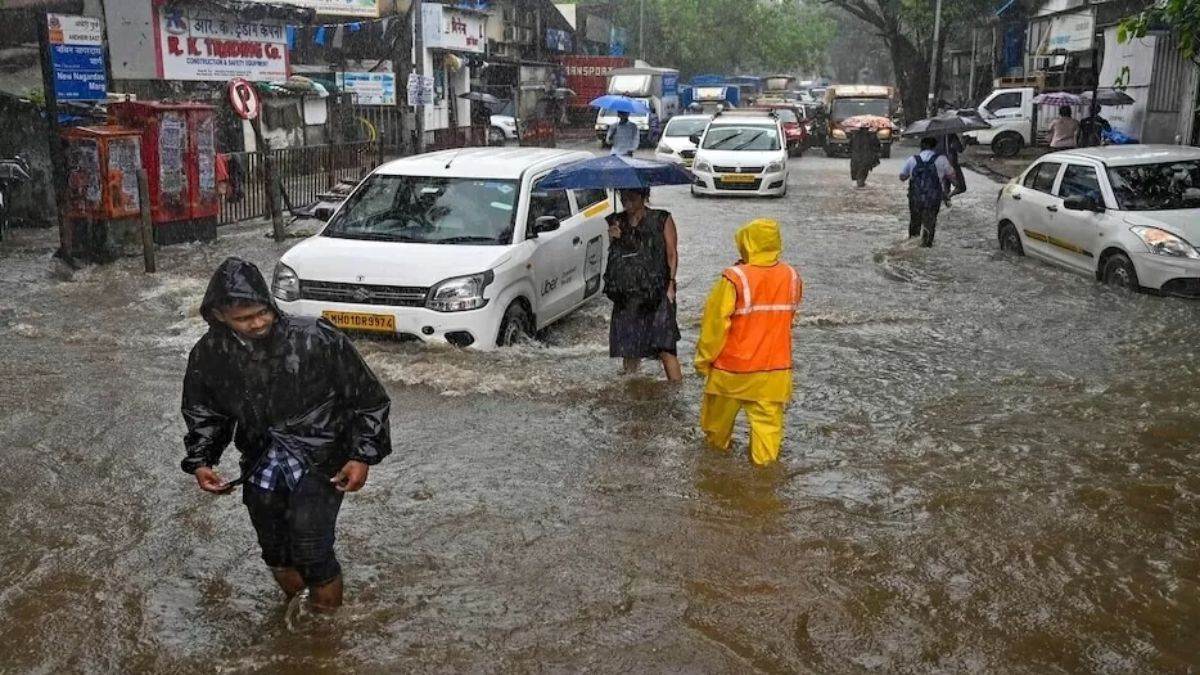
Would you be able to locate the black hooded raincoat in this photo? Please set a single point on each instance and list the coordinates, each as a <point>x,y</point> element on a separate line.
<point>304,386</point>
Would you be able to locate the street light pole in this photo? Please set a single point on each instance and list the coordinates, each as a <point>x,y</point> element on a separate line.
<point>642,29</point>
<point>934,59</point>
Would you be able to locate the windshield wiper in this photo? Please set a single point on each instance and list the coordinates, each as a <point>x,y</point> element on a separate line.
<point>464,240</point>
<point>756,137</point>
<point>372,236</point>
<point>721,142</point>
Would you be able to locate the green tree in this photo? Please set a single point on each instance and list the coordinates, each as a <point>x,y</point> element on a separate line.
<point>1181,17</point>
<point>728,36</point>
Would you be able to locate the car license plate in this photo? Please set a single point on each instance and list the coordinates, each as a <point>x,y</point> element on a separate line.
<point>738,178</point>
<point>379,323</point>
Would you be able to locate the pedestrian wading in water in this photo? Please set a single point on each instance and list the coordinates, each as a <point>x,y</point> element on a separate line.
<point>745,347</point>
<point>307,414</point>
<point>640,280</point>
<point>927,174</point>
<point>864,154</point>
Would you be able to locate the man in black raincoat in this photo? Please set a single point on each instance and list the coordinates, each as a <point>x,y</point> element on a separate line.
<point>306,413</point>
<point>864,154</point>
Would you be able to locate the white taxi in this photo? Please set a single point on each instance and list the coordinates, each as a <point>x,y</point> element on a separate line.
<point>741,152</point>
<point>458,247</point>
<point>676,143</point>
<point>1127,214</point>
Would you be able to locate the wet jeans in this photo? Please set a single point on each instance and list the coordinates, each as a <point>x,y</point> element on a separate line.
<point>922,222</point>
<point>296,527</point>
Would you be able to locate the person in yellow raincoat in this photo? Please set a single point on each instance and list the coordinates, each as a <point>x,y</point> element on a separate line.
<point>745,346</point>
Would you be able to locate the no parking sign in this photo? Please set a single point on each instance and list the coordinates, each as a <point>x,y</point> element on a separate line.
<point>244,99</point>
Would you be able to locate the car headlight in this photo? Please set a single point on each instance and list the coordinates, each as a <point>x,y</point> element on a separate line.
<point>509,124</point>
<point>774,167</point>
<point>601,127</point>
<point>460,293</point>
<point>838,133</point>
<point>704,166</point>
<point>1161,242</point>
<point>885,133</point>
<point>665,150</point>
<point>643,127</point>
<point>286,284</point>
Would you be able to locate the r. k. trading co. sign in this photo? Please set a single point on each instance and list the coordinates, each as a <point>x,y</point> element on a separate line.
<point>192,44</point>
<point>77,57</point>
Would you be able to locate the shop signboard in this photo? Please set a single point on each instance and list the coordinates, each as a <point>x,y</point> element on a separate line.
<point>192,44</point>
<point>370,88</point>
<point>1071,32</point>
<point>77,57</point>
<point>453,30</point>
<point>365,8</point>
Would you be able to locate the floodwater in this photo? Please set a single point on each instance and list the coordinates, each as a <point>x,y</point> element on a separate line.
<point>991,465</point>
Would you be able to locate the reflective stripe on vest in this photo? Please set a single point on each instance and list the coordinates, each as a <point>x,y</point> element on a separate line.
<point>760,330</point>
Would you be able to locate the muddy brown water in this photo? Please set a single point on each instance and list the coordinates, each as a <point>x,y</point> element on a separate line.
<point>991,465</point>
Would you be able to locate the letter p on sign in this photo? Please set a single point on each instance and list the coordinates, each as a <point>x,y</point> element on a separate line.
<point>244,99</point>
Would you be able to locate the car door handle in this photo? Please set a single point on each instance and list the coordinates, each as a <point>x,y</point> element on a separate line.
<point>1017,197</point>
<point>576,241</point>
<point>1052,208</point>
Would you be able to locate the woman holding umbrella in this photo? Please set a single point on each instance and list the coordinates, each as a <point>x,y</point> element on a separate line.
<point>644,243</point>
<point>642,255</point>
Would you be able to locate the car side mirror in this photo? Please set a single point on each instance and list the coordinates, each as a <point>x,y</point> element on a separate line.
<point>1082,203</point>
<point>695,139</point>
<point>546,224</point>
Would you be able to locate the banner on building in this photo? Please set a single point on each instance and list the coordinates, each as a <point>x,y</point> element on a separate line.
<point>1070,32</point>
<point>446,28</point>
<point>420,89</point>
<point>367,8</point>
<point>192,44</point>
<point>370,88</point>
<point>77,57</point>
<point>1128,67</point>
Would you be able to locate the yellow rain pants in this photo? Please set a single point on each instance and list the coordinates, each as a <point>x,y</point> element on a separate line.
<point>717,415</point>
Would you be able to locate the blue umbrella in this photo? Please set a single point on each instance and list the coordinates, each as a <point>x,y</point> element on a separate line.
<point>615,172</point>
<point>617,103</point>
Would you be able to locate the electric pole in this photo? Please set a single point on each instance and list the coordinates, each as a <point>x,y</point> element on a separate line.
<point>642,30</point>
<point>935,58</point>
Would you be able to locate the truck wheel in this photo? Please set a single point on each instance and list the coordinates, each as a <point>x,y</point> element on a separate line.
<point>1007,144</point>
<point>829,151</point>
<point>516,326</point>
<point>495,136</point>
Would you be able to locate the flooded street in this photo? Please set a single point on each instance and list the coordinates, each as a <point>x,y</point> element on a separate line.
<point>990,465</point>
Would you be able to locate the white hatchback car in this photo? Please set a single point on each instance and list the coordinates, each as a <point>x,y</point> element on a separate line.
<point>741,153</point>
<point>458,247</point>
<point>676,143</point>
<point>1127,214</point>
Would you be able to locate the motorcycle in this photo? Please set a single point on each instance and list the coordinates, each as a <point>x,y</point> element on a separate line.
<point>13,171</point>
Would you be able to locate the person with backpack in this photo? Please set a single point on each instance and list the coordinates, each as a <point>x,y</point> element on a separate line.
<point>640,280</point>
<point>745,348</point>
<point>925,173</point>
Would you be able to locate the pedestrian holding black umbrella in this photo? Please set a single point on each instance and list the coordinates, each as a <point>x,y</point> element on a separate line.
<point>926,173</point>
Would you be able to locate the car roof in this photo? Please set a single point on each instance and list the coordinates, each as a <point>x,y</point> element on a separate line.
<point>509,163</point>
<point>745,120</point>
<point>696,116</point>
<point>1125,155</point>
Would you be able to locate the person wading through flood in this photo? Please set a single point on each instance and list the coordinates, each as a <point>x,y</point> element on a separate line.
<point>640,280</point>
<point>623,136</point>
<point>864,154</point>
<point>306,413</point>
<point>745,346</point>
<point>925,172</point>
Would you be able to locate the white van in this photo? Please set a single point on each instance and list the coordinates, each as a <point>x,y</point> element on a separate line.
<point>457,247</point>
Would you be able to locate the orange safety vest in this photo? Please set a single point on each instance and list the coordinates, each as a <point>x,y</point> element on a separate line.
<point>760,330</point>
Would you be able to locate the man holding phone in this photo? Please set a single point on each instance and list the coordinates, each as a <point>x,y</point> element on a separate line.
<point>307,414</point>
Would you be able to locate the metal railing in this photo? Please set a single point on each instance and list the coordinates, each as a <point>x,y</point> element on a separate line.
<point>304,172</point>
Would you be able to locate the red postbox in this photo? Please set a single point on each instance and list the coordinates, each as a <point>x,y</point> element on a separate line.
<point>102,168</point>
<point>179,154</point>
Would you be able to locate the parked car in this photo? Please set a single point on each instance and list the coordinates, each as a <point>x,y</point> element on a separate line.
<point>457,247</point>
<point>741,153</point>
<point>503,125</point>
<point>676,143</point>
<point>1127,215</point>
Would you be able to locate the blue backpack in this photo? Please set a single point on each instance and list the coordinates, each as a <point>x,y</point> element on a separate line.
<point>925,184</point>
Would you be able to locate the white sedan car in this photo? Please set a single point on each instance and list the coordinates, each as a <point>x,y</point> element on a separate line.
<point>1128,214</point>
<point>741,153</point>
<point>676,143</point>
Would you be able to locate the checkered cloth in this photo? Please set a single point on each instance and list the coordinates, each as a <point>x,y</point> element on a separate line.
<point>280,469</point>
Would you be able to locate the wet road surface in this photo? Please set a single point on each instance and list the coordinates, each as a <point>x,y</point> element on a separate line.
<point>991,465</point>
